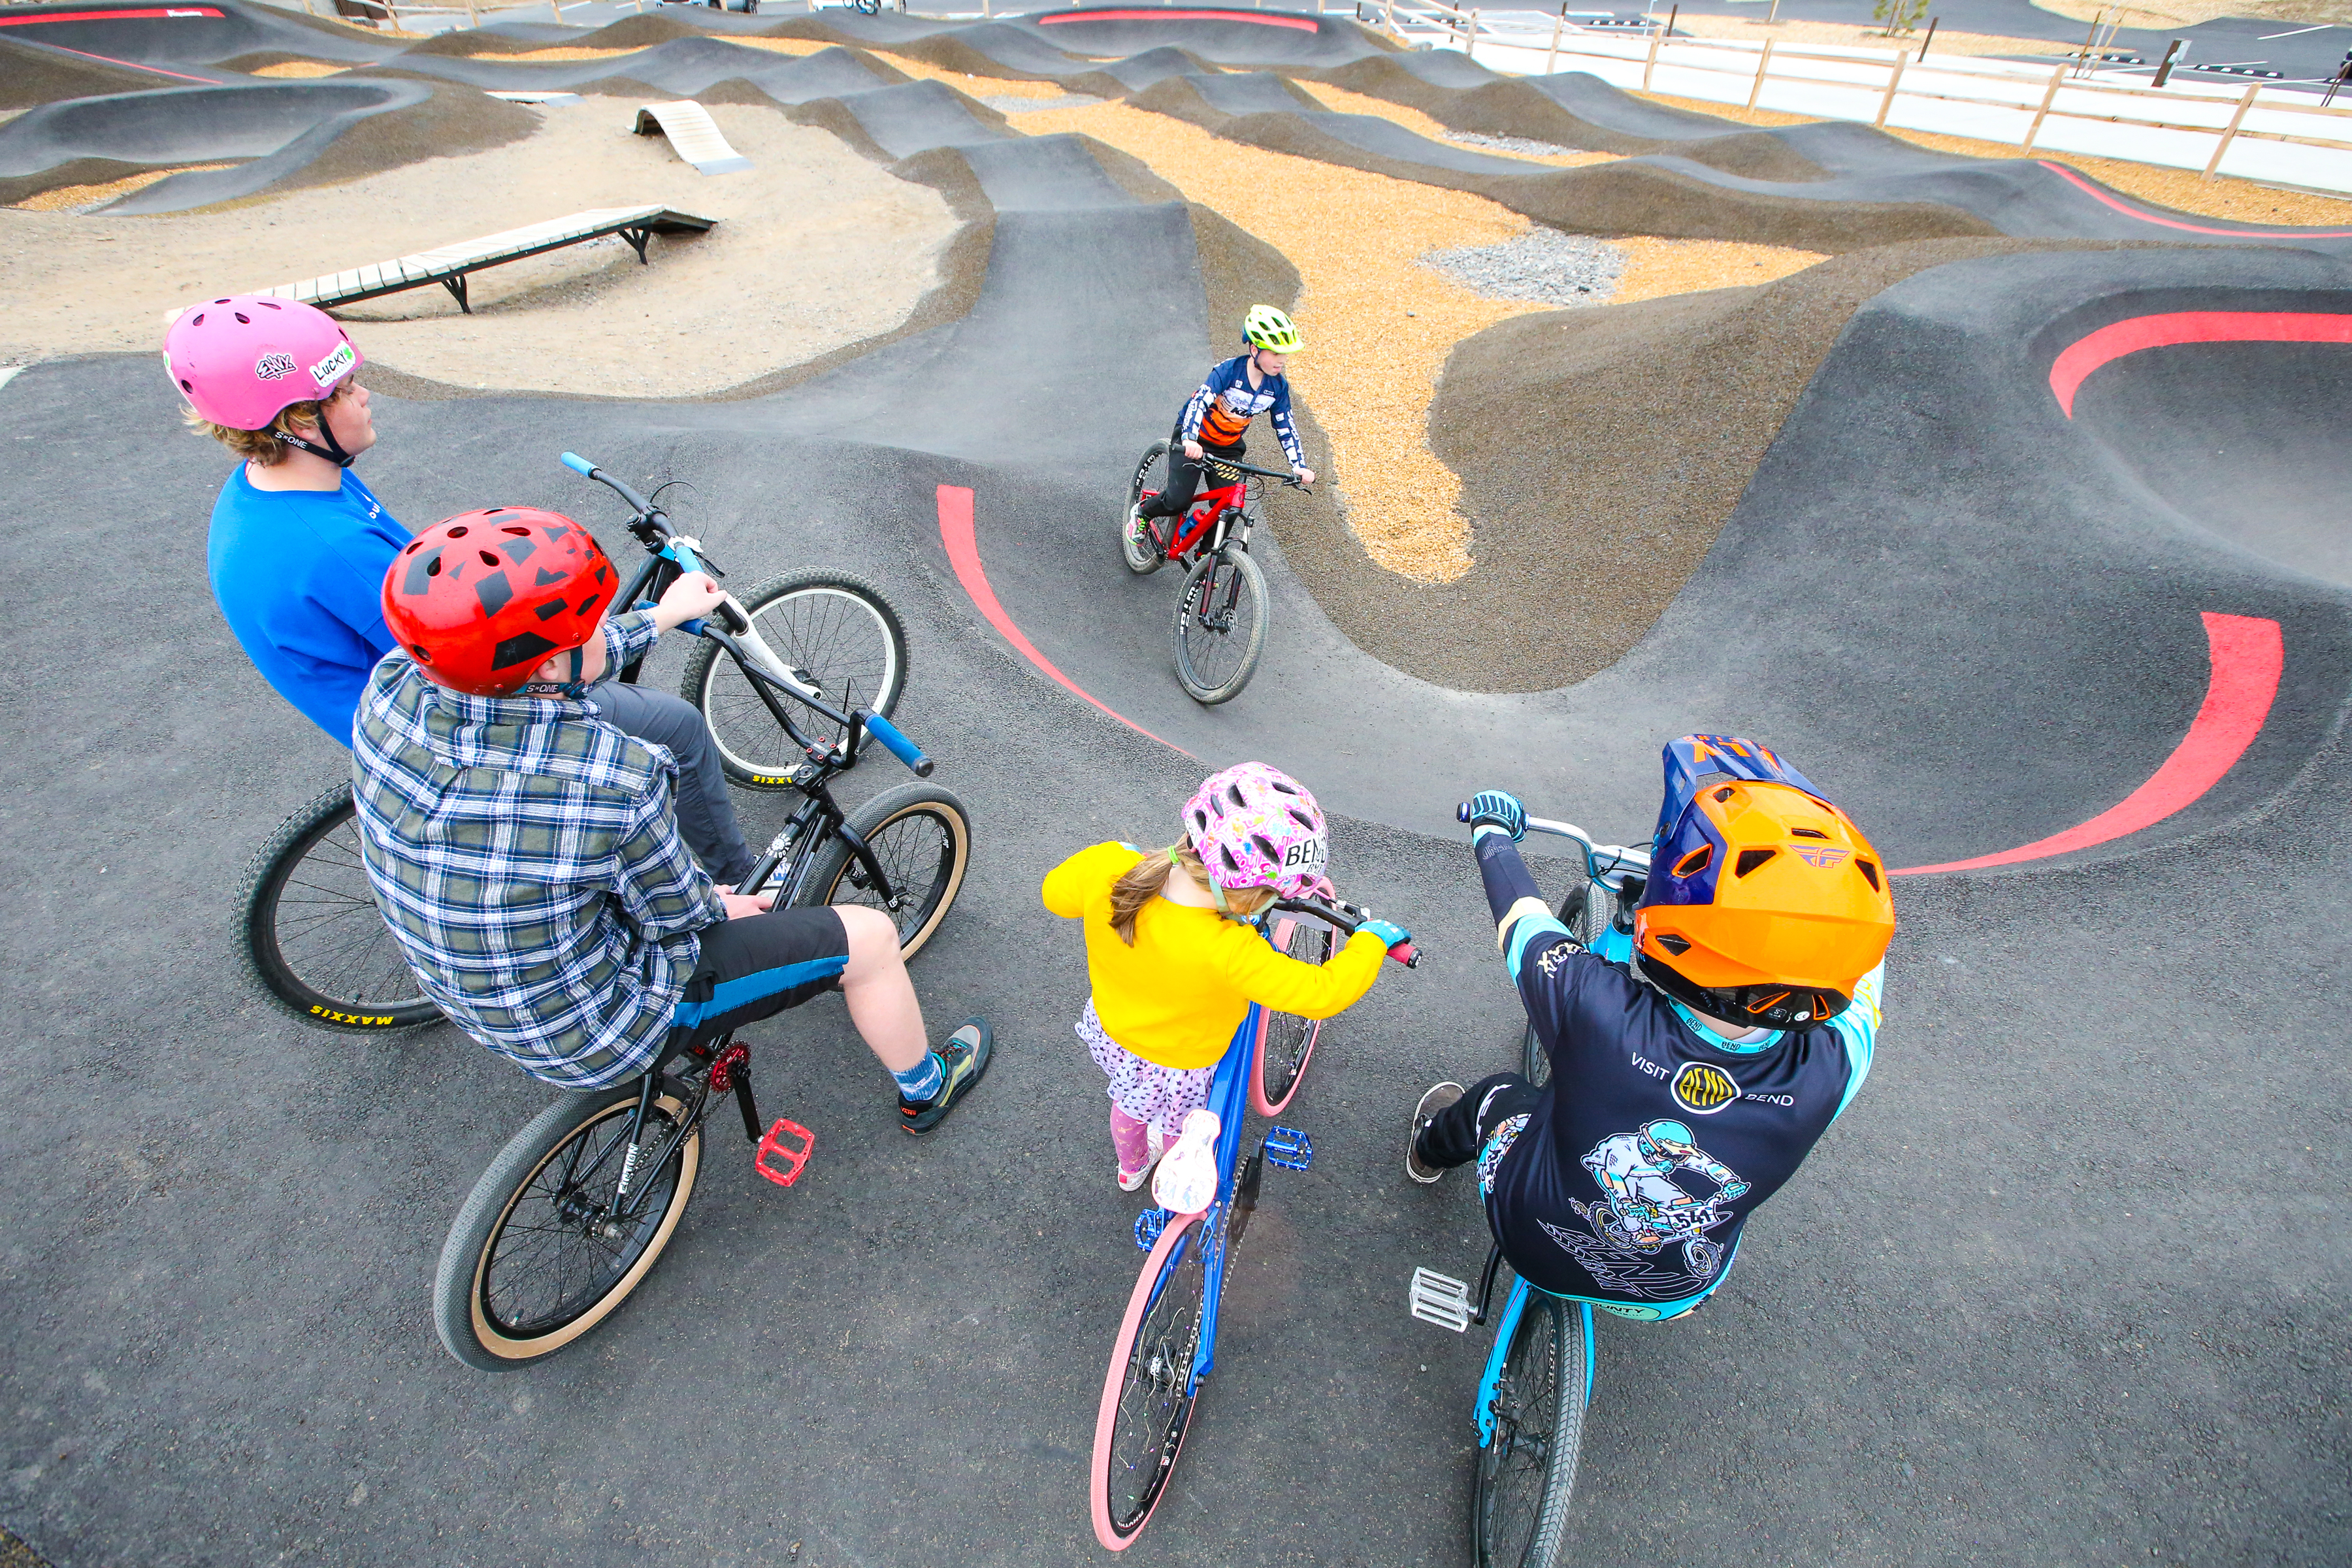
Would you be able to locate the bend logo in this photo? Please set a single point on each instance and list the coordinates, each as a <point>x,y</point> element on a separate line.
<point>1309,855</point>
<point>1703,1088</point>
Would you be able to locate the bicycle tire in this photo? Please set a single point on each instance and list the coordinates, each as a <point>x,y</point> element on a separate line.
<point>1527,1469</point>
<point>1140,556</point>
<point>313,938</point>
<point>1588,916</point>
<point>892,824</point>
<point>834,626</point>
<point>1286,1042</point>
<point>1195,668</point>
<point>1148,1393</point>
<point>471,1329</point>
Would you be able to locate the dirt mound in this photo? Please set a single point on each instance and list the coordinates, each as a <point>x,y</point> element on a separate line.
<point>30,77</point>
<point>1600,452</point>
<point>454,121</point>
<point>628,33</point>
<point>1514,108</point>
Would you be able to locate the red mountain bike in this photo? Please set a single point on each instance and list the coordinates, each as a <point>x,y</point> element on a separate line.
<point>1222,613</point>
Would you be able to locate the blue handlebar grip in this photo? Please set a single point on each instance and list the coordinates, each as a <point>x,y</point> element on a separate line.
<point>692,628</point>
<point>578,464</point>
<point>897,745</point>
<point>677,549</point>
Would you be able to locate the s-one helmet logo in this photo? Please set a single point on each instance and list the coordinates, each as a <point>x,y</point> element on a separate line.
<point>271,367</point>
<point>1703,1088</point>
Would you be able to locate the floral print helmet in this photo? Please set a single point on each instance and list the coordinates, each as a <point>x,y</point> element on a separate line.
<point>1257,827</point>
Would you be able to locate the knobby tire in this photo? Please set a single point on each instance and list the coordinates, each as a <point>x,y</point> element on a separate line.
<point>1526,1472</point>
<point>922,834</point>
<point>1213,666</point>
<point>312,935</point>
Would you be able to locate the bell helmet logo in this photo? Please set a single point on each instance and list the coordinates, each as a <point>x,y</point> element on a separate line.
<point>274,367</point>
<point>1703,1090</point>
<point>325,372</point>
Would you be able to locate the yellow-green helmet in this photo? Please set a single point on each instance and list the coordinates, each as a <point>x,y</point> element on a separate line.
<point>1267,328</point>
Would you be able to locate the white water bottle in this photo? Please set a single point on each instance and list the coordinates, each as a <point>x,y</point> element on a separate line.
<point>1186,1182</point>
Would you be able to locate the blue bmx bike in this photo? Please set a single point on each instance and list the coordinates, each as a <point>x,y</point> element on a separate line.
<point>1167,1340</point>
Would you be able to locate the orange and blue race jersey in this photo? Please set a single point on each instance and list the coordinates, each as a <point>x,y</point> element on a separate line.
<point>1226,403</point>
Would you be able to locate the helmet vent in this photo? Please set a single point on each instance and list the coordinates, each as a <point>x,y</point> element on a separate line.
<point>489,559</point>
<point>1698,860</point>
<point>267,306</point>
<point>186,386</point>
<point>519,533</point>
<point>1750,860</point>
<point>1869,873</point>
<point>433,567</point>
<point>1807,833</point>
<point>242,319</point>
<point>1677,945</point>
<point>1726,793</point>
<point>199,321</point>
<point>459,531</point>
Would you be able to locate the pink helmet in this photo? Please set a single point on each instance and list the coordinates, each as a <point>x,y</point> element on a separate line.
<point>1257,827</point>
<point>242,360</point>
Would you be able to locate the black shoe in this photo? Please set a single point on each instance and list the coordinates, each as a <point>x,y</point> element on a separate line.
<point>1439,1096</point>
<point>965,1055</point>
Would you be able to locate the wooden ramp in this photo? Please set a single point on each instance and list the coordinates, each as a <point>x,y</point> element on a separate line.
<point>693,134</point>
<point>448,265</point>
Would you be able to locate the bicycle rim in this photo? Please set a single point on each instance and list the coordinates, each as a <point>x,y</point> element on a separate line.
<point>543,1280</point>
<point>923,845</point>
<point>1284,1041</point>
<point>1141,556</point>
<point>838,632</point>
<point>1527,1472</point>
<point>314,936</point>
<point>1221,619</point>
<point>1149,1396</point>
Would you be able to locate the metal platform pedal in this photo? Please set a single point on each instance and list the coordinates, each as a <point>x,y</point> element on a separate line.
<point>1289,1148</point>
<point>1441,1299</point>
<point>1148,1226</point>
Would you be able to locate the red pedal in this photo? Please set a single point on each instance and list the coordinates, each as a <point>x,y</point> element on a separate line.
<point>790,1159</point>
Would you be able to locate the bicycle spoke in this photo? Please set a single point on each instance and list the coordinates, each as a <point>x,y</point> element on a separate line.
<point>550,1260</point>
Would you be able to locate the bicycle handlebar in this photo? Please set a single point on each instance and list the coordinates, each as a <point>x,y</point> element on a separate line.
<point>1621,858</point>
<point>1347,918</point>
<point>897,745</point>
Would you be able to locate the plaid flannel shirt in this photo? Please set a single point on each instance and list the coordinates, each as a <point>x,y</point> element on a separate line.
<point>527,858</point>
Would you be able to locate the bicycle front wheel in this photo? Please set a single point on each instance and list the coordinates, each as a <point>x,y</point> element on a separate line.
<point>313,936</point>
<point>1148,1393</point>
<point>1142,553</point>
<point>921,838</point>
<point>537,1256</point>
<point>1221,620</point>
<point>830,629</point>
<point>1527,1470</point>
<point>1283,1041</point>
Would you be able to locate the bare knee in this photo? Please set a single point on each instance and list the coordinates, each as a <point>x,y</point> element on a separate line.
<point>873,940</point>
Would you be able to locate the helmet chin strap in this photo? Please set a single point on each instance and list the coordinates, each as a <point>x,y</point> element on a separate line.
<point>575,688</point>
<point>326,446</point>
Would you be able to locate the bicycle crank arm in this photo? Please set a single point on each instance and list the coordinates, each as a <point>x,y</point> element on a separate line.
<point>1244,1204</point>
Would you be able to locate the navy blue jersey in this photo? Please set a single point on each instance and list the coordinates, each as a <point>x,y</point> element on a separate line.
<point>1627,1185</point>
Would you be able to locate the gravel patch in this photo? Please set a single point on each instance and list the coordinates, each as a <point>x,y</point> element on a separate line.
<point>1005,105</point>
<point>1543,265</point>
<point>1518,145</point>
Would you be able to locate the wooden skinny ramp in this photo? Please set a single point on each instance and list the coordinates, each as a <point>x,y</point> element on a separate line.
<point>448,265</point>
<point>693,134</point>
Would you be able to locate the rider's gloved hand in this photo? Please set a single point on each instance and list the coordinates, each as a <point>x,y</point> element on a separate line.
<point>1391,934</point>
<point>1503,810</point>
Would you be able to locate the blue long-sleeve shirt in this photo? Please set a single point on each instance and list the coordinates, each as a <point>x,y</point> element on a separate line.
<point>1220,411</point>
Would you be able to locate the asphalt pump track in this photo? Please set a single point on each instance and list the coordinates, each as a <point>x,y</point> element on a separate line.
<point>2040,574</point>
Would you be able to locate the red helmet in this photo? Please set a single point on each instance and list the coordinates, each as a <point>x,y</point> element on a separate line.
<point>484,598</point>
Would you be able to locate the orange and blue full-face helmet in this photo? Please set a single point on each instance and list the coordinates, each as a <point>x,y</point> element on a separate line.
<point>1765,904</point>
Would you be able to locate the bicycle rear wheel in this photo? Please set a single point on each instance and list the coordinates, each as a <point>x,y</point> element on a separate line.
<point>1221,621</point>
<point>1283,1041</point>
<point>921,836</point>
<point>1148,1394</point>
<point>534,1260</point>
<point>1142,553</point>
<point>1587,916</point>
<point>313,936</point>
<point>1527,1470</point>
<point>838,631</point>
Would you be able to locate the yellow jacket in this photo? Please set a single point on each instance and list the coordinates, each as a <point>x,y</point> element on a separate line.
<point>1176,996</point>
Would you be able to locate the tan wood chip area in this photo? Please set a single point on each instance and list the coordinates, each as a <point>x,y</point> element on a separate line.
<point>1378,326</point>
<point>2183,189</point>
<point>300,70</point>
<point>72,198</point>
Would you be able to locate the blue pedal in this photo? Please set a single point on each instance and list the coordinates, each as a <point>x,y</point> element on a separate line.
<point>1289,1148</point>
<point>1148,1226</point>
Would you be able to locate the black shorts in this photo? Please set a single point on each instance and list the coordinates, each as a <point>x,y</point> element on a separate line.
<point>755,967</point>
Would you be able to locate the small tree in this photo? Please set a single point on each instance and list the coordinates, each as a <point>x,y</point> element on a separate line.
<point>1895,17</point>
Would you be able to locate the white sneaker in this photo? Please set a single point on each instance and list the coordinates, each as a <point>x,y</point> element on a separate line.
<point>1129,1181</point>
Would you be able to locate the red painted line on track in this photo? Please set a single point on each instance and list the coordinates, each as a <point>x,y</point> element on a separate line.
<point>1299,23</point>
<point>2248,654</point>
<point>2071,178</point>
<point>2079,359</point>
<point>134,65</point>
<point>147,15</point>
<point>955,532</point>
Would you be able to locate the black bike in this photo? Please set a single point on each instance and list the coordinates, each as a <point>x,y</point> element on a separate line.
<point>313,935</point>
<point>580,1204</point>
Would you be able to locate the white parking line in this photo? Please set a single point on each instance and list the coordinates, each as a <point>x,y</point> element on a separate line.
<point>2266,38</point>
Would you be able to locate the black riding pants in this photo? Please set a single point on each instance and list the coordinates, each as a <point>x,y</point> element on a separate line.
<point>1184,476</point>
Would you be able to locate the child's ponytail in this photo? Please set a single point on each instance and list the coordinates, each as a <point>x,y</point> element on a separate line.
<point>1142,883</point>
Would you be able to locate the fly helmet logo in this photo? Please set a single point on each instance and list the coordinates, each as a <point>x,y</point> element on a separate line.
<point>325,372</point>
<point>274,366</point>
<point>1703,1088</point>
<point>1823,859</point>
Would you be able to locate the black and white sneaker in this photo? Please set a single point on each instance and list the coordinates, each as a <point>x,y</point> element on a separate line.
<point>1439,1096</point>
<point>965,1055</point>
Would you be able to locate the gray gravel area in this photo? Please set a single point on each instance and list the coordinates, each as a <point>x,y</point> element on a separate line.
<point>1009,103</point>
<point>1542,264</point>
<point>1518,145</point>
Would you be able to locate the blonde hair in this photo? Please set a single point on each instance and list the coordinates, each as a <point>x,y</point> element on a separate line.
<point>263,446</point>
<point>1144,880</point>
